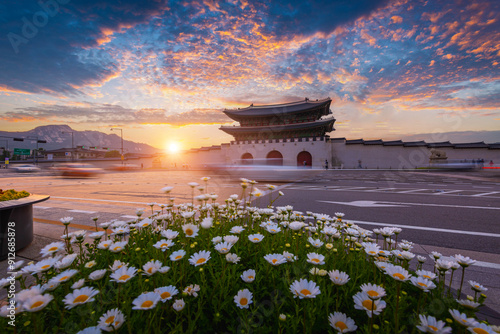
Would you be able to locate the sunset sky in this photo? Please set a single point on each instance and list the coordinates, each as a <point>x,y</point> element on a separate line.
<point>164,70</point>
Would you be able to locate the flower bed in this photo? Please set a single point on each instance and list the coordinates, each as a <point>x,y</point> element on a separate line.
<point>235,268</point>
<point>11,194</point>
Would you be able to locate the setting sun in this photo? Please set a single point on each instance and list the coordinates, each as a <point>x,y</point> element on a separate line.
<point>173,147</point>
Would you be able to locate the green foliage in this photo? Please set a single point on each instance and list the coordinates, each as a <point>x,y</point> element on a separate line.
<point>11,194</point>
<point>112,154</point>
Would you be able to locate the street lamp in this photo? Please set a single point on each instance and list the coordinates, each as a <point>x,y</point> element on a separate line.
<point>121,135</point>
<point>72,143</point>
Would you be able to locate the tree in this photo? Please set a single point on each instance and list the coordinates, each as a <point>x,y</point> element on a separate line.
<point>112,154</point>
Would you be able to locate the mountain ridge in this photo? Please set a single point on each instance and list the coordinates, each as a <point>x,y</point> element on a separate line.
<point>57,138</point>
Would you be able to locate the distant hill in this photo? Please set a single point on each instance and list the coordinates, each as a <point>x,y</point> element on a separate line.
<point>55,138</point>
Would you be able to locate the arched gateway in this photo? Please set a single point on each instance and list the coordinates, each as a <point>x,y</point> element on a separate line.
<point>247,159</point>
<point>304,159</point>
<point>274,158</point>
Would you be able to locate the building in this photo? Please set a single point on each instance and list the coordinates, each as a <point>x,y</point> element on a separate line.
<point>296,134</point>
<point>77,153</point>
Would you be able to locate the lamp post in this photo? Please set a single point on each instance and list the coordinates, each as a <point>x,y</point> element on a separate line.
<point>121,135</point>
<point>72,144</point>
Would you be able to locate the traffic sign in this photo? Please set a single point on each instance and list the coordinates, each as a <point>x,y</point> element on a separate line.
<point>22,151</point>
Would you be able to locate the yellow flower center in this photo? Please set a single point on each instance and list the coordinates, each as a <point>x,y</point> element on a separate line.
<point>422,284</point>
<point>117,248</point>
<point>150,270</point>
<point>37,304</point>
<point>201,260</point>
<point>81,299</point>
<point>479,330</point>
<point>163,245</point>
<point>189,231</point>
<point>47,266</point>
<point>243,301</point>
<point>178,257</point>
<point>110,320</point>
<point>426,276</point>
<point>165,295</point>
<point>341,325</point>
<point>147,303</point>
<point>305,292</point>
<point>368,304</point>
<point>250,277</point>
<point>315,260</point>
<point>370,252</point>
<point>124,277</point>
<point>372,293</point>
<point>53,249</point>
<point>256,239</point>
<point>274,261</point>
<point>398,275</point>
<point>63,278</point>
<point>432,327</point>
<point>223,250</point>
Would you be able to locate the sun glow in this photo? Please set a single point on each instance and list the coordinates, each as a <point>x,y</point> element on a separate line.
<point>173,147</point>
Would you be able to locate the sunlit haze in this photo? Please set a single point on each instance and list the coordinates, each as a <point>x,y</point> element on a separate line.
<point>162,70</point>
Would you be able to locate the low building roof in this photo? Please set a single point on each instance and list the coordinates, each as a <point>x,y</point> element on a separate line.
<point>281,127</point>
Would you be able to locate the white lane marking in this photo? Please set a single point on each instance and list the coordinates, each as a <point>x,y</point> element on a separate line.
<point>425,204</point>
<point>447,192</point>
<point>98,200</point>
<point>477,263</point>
<point>424,228</point>
<point>41,207</point>
<point>410,191</point>
<point>381,189</point>
<point>485,194</point>
<point>366,204</point>
<point>82,211</point>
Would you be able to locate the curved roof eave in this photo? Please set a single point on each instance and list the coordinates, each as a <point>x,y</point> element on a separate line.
<point>279,128</point>
<point>277,109</point>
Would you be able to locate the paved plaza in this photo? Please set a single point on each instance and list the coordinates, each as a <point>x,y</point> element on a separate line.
<point>452,213</point>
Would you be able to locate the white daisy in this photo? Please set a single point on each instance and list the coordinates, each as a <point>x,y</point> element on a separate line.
<point>255,238</point>
<point>169,234</point>
<point>338,277</point>
<point>97,274</point>
<point>236,229</point>
<point>52,248</point>
<point>275,259</point>
<point>117,247</point>
<point>243,298</point>
<point>78,284</point>
<point>315,258</point>
<point>304,289</point>
<point>151,267</point>
<point>163,244</point>
<point>37,302</point>
<point>177,255</point>
<point>373,291</point>
<point>462,319</point>
<point>429,324</point>
<point>248,276</point>
<point>80,296</point>
<point>65,276</point>
<point>363,302</point>
<point>111,320</point>
<point>199,258</point>
<point>223,247</point>
<point>232,239</point>
<point>233,258</point>
<point>192,290</point>
<point>315,242</point>
<point>423,284</point>
<point>190,230</point>
<point>123,274</point>
<point>178,305</point>
<point>167,292</point>
<point>146,301</point>
<point>117,265</point>
<point>66,261</point>
<point>341,323</point>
